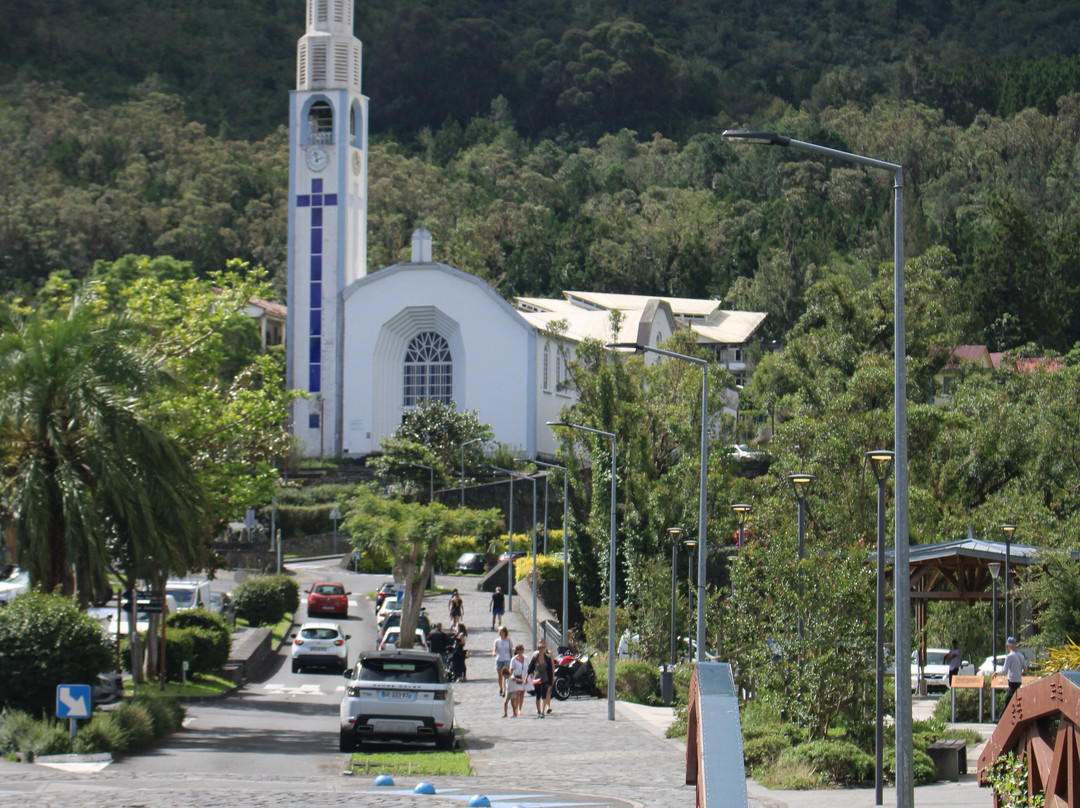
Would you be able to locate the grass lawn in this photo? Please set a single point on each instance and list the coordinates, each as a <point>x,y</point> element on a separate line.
<point>198,685</point>
<point>422,763</point>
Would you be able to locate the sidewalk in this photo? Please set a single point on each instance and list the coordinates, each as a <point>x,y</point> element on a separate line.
<point>577,749</point>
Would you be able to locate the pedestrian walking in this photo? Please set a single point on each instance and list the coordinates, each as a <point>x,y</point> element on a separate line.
<point>953,659</point>
<point>1013,667</point>
<point>542,670</point>
<point>438,640</point>
<point>516,681</point>
<point>497,607</point>
<point>503,651</point>
<point>460,653</point>
<point>456,608</point>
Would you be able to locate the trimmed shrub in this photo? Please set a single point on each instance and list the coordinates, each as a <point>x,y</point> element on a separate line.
<point>265,601</point>
<point>837,762</point>
<point>213,640</point>
<point>165,712</point>
<point>135,722</point>
<point>923,770</point>
<point>102,733</point>
<point>762,750</point>
<point>28,737</point>
<point>637,682</point>
<point>45,641</point>
<point>179,646</point>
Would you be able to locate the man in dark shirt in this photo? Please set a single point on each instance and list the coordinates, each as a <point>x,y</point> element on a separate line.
<point>438,640</point>
<point>497,607</point>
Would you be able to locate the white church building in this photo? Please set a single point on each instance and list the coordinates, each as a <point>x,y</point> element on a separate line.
<point>367,347</point>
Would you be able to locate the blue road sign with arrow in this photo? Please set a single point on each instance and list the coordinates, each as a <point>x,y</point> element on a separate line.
<point>73,701</point>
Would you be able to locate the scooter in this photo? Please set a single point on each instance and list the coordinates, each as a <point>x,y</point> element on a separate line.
<point>573,675</point>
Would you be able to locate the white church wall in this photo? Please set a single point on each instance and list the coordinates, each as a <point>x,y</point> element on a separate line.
<point>492,351</point>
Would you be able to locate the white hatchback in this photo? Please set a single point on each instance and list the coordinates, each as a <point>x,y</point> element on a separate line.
<point>320,645</point>
<point>391,638</point>
<point>397,696</point>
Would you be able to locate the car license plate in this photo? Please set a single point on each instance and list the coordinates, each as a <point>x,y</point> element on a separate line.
<point>398,695</point>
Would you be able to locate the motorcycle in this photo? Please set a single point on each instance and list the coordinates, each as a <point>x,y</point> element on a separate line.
<point>573,675</point>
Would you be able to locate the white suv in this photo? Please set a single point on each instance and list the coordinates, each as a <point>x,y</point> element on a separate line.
<point>320,645</point>
<point>397,695</point>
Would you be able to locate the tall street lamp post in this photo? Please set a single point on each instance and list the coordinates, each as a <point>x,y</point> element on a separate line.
<point>995,571</point>
<point>1010,622</point>
<point>535,621</point>
<point>703,476</point>
<point>905,785</point>
<point>674,533</point>
<point>742,511</point>
<point>801,484</point>
<point>466,443</point>
<point>510,544</point>
<point>881,463</point>
<point>612,551</point>
<point>690,544</point>
<point>565,543</point>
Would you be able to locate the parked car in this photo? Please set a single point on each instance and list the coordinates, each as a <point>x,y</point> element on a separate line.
<point>328,598</point>
<point>17,582</point>
<point>389,607</point>
<point>471,563</point>
<point>988,667</point>
<point>423,622</point>
<point>517,554</point>
<point>741,451</point>
<point>936,671</point>
<point>387,589</point>
<point>391,639</point>
<point>397,695</point>
<point>189,594</point>
<point>320,645</point>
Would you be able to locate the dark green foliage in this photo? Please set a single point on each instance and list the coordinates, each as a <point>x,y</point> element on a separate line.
<point>637,682</point>
<point>763,749</point>
<point>179,646</point>
<point>166,713</point>
<point>102,733</point>
<point>28,737</point>
<point>45,641</point>
<point>264,601</point>
<point>136,723</point>
<point>837,762</point>
<point>210,636</point>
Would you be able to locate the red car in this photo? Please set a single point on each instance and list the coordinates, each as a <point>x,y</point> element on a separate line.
<point>328,598</point>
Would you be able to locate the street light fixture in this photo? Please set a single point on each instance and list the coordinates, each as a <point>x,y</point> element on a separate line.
<point>565,543</point>
<point>742,511</point>
<point>674,533</point>
<point>1010,622</point>
<point>612,551</point>
<point>881,463</point>
<point>703,475</point>
<point>905,785</point>
<point>995,571</point>
<point>466,443</point>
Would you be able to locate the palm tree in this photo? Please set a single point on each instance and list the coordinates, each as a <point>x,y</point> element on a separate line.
<point>84,467</point>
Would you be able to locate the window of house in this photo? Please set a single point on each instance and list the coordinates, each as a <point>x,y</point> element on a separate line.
<point>429,370</point>
<point>547,365</point>
<point>558,370</point>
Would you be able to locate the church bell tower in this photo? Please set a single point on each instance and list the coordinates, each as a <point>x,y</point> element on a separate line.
<point>327,250</point>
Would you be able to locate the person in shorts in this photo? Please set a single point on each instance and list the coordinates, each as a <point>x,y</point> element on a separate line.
<point>497,607</point>
<point>503,651</point>
<point>542,671</point>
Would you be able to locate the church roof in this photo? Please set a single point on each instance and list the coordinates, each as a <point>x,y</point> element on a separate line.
<point>582,324</point>
<point>680,306</point>
<point>730,327</point>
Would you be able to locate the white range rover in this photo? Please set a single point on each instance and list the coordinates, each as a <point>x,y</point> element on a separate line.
<point>397,696</point>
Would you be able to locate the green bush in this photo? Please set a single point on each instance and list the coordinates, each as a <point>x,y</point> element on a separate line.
<point>265,601</point>
<point>375,561</point>
<point>23,735</point>
<point>637,682</point>
<point>179,646</point>
<point>136,723</point>
<point>837,762</point>
<point>762,750</point>
<point>166,713</point>
<point>102,733</point>
<point>45,641</point>
<point>759,718</point>
<point>213,640</point>
<point>923,770</point>
<point>452,549</point>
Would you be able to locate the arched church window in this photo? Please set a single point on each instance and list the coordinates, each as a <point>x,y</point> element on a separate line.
<point>320,124</point>
<point>429,370</point>
<point>547,365</point>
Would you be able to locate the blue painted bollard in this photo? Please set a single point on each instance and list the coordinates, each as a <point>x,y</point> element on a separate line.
<point>384,780</point>
<point>479,801</point>
<point>424,788</point>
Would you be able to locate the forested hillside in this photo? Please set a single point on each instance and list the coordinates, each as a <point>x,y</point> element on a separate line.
<point>560,145</point>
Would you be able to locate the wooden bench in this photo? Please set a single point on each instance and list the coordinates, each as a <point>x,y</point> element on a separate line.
<point>950,758</point>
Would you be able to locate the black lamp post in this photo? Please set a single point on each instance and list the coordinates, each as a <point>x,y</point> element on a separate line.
<point>690,545</point>
<point>1010,623</point>
<point>881,462</point>
<point>801,484</point>
<point>675,533</point>
<point>995,570</point>
<point>742,511</point>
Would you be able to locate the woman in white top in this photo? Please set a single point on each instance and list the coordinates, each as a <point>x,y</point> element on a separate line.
<point>502,650</point>
<point>515,683</point>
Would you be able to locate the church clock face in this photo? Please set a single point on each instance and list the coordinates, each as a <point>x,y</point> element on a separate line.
<point>317,159</point>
